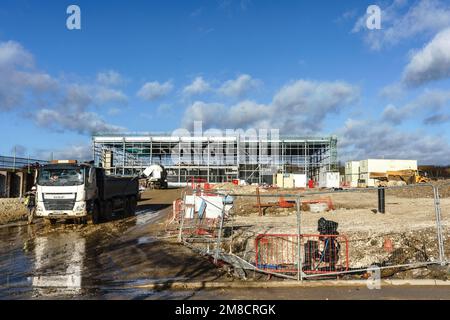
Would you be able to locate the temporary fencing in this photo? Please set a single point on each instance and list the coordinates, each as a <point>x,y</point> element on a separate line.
<point>442,199</point>
<point>288,234</point>
<point>322,253</point>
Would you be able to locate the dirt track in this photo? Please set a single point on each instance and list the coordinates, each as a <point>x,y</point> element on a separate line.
<point>100,261</point>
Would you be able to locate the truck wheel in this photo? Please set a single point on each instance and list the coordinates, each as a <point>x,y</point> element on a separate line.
<point>127,207</point>
<point>133,205</point>
<point>79,221</point>
<point>50,221</point>
<point>95,218</point>
<point>107,211</point>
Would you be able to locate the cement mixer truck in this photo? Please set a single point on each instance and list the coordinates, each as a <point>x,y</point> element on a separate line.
<point>156,176</point>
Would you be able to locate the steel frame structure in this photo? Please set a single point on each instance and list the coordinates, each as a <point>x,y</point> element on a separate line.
<point>216,159</point>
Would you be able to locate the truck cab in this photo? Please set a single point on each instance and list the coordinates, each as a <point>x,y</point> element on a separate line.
<point>67,189</point>
<point>64,189</point>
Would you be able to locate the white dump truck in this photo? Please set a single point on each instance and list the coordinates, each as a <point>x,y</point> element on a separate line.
<point>67,189</point>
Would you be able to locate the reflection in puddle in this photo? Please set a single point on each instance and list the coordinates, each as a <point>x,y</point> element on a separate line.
<point>58,264</point>
<point>144,217</point>
<point>145,240</point>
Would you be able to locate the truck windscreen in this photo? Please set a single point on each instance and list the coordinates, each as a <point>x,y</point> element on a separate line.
<point>61,176</point>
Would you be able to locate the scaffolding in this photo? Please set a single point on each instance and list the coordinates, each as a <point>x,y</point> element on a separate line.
<point>216,159</point>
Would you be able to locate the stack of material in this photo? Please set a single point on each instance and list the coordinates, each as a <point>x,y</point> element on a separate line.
<point>370,166</point>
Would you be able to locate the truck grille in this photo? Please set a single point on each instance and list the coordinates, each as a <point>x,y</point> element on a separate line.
<point>59,204</point>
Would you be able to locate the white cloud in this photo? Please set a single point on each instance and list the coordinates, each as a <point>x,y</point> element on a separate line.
<point>299,107</point>
<point>393,114</point>
<point>104,95</point>
<point>315,97</point>
<point>67,105</point>
<point>249,112</point>
<point>109,78</point>
<point>401,22</point>
<point>19,80</point>
<point>244,114</point>
<point>81,152</point>
<point>78,152</point>
<point>12,54</point>
<point>81,97</point>
<point>431,105</point>
<point>363,139</point>
<point>211,114</point>
<point>437,119</point>
<point>239,87</point>
<point>431,63</point>
<point>80,122</point>
<point>71,112</point>
<point>154,90</point>
<point>433,100</point>
<point>305,104</point>
<point>198,86</point>
<point>76,98</point>
<point>392,91</point>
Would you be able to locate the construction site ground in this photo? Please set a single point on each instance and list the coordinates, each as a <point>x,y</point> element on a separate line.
<point>12,210</point>
<point>118,258</point>
<point>99,261</point>
<point>408,225</point>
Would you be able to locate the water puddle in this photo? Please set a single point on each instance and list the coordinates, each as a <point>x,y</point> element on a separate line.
<point>58,264</point>
<point>102,261</point>
<point>146,240</point>
<point>145,216</point>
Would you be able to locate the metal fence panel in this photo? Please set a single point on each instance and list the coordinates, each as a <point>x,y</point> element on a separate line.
<point>322,254</point>
<point>399,231</point>
<point>443,190</point>
<point>325,232</point>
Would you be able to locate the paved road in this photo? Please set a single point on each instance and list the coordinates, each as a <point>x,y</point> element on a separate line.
<point>330,293</point>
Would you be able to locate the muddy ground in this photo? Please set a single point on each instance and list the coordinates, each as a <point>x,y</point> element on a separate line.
<point>12,210</point>
<point>405,234</point>
<point>101,261</point>
<point>108,261</point>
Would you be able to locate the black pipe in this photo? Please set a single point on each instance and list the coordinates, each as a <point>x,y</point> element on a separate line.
<point>381,200</point>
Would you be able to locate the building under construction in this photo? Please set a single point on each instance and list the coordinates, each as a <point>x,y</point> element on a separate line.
<point>216,159</point>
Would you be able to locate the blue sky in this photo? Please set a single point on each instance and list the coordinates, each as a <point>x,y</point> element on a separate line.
<point>304,67</point>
